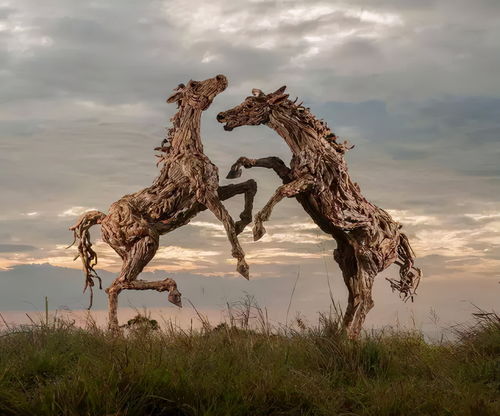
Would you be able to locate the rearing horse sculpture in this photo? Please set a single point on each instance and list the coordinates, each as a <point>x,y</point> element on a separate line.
<point>188,183</point>
<point>368,239</point>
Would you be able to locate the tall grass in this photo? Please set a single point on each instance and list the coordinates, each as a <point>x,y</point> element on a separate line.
<point>246,367</point>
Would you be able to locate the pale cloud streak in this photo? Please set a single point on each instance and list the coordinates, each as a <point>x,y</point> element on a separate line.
<point>74,211</point>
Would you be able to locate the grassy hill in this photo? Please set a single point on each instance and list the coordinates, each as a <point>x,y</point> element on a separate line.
<point>58,369</point>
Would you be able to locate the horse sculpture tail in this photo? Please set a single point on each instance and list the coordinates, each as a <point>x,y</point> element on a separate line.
<point>409,275</point>
<point>85,251</point>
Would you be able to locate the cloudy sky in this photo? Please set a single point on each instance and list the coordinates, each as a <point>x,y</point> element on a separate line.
<point>414,85</point>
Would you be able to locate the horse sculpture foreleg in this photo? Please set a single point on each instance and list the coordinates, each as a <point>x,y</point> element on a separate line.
<point>249,189</point>
<point>271,162</point>
<point>213,203</point>
<point>288,190</point>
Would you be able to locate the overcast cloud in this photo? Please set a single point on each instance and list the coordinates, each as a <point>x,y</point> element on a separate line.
<point>414,85</point>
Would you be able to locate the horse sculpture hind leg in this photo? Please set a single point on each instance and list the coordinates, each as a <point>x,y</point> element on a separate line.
<point>144,250</point>
<point>134,261</point>
<point>359,282</point>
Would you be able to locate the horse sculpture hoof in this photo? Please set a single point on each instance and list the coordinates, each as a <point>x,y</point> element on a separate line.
<point>258,231</point>
<point>243,269</point>
<point>234,173</point>
<point>174,297</point>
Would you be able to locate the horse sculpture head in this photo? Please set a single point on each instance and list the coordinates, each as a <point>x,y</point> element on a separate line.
<point>198,94</point>
<point>255,110</point>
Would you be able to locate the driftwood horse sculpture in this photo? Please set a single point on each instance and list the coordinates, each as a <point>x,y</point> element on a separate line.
<point>188,183</point>
<point>368,239</point>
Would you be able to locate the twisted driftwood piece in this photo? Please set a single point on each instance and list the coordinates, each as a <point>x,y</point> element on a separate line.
<point>368,239</point>
<point>188,183</point>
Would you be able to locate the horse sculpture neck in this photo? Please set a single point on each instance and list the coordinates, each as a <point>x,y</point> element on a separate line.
<point>185,134</point>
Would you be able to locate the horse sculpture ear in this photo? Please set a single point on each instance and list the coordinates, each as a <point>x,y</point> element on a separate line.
<point>280,91</point>
<point>176,95</point>
<point>277,96</point>
<point>257,93</point>
<point>275,99</point>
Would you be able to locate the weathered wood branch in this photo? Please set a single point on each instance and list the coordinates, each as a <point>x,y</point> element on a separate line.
<point>271,162</point>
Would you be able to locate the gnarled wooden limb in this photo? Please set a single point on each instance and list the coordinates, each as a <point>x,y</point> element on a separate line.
<point>288,190</point>
<point>359,282</point>
<point>214,205</point>
<point>249,189</point>
<point>169,285</point>
<point>271,162</point>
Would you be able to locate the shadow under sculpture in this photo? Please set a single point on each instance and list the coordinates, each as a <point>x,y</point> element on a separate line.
<point>187,184</point>
<point>368,239</point>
